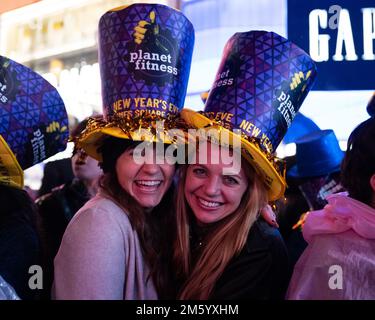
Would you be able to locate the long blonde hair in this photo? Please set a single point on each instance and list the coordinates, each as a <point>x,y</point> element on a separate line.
<point>227,240</point>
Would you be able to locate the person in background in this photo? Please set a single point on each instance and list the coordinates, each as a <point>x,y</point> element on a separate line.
<point>339,261</point>
<point>19,240</point>
<point>314,176</point>
<point>293,204</point>
<point>55,173</point>
<point>56,209</point>
<point>22,145</point>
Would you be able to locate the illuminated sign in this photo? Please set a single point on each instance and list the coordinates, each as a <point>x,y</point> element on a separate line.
<point>340,36</point>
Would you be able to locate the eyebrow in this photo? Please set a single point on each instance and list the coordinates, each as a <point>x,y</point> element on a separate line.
<point>233,175</point>
<point>224,175</point>
<point>198,164</point>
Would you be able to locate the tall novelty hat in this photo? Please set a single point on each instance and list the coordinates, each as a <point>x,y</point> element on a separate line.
<point>33,121</point>
<point>145,53</point>
<point>261,83</point>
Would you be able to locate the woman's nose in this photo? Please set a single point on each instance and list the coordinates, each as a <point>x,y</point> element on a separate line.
<point>212,186</point>
<point>150,168</point>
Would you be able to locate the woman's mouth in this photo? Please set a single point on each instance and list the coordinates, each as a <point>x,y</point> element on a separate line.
<point>148,185</point>
<point>208,204</point>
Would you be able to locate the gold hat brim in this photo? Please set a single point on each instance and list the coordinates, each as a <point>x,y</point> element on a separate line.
<point>275,183</point>
<point>95,133</point>
<point>11,173</point>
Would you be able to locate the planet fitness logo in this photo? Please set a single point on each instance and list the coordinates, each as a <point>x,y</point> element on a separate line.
<point>228,74</point>
<point>152,56</point>
<point>288,98</point>
<point>8,81</point>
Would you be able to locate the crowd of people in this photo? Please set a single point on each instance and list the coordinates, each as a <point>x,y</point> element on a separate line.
<point>168,203</point>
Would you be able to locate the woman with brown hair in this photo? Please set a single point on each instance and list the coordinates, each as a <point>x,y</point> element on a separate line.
<point>113,247</point>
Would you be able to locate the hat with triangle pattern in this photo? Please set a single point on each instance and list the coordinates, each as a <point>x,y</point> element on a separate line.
<point>33,121</point>
<point>145,53</point>
<point>261,83</point>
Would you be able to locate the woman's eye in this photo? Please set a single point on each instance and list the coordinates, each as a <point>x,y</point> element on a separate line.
<point>139,153</point>
<point>230,180</point>
<point>199,171</point>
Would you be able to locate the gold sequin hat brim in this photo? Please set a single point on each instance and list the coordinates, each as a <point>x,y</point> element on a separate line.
<point>137,129</point>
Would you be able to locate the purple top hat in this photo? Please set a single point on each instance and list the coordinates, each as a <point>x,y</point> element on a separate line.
<point>145,53</point>
<point>261,83</point>
<point>262,80</point>
<point>33,121</point>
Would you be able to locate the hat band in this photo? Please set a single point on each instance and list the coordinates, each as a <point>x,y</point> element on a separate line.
<point>146,123</point>
<point>11,173</point>
<point>316,170</point>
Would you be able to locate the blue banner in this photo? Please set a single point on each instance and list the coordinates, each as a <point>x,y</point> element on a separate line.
<point>340,36</point>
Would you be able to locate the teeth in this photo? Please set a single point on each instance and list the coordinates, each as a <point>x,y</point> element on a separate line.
<point>209,203</point>
<point>148,183</point>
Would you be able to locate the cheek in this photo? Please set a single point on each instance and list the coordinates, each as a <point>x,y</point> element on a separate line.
<point>93,164</point>
<point>168,171</point>
<point>237,195</point>
<point>188,192</point>
<point>189,179</point>
<point>191,185</point>
<point>187,186</point>
<point>123,175</point>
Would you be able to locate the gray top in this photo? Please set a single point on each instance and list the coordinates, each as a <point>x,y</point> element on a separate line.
<point>100,257</point>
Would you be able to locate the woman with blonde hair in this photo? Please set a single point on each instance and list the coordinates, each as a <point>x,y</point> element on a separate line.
<point>223,248</point>
<point>224,251</point>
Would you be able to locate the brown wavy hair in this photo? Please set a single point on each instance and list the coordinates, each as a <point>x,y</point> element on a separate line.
<point>221,244</point>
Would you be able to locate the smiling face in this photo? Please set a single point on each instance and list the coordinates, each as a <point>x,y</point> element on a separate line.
<point>211,194</point>
<point>84,167</point>
<point>147,182</point>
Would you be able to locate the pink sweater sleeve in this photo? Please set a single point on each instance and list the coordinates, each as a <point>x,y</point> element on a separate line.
<point>91,262</point>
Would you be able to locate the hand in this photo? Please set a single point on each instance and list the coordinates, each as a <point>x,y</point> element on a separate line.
<point>143,26</point>
<point>270,216</point>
